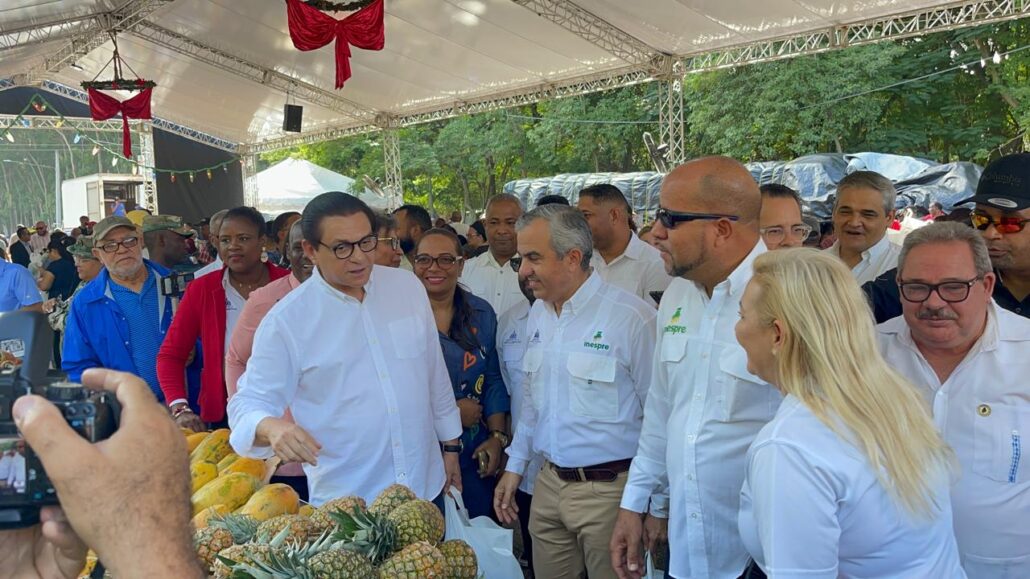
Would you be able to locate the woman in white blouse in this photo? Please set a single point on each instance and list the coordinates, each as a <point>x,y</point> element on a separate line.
<point>850,479</point>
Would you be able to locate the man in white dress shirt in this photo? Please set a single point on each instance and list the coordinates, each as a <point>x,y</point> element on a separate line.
<point>781,223</point>
<point>862,212</point>
<point>620,257</point>
<point>970,358</point>
<point>489,276</point>
<point>704,408</point>
<point>588,367</point>
<point>365,382</point>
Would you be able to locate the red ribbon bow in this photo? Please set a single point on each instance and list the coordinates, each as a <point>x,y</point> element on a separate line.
<point>103,107</point>
<point>311,29</point>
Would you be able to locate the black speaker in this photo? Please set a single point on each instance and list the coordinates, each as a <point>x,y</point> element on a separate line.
<point>291,118</point>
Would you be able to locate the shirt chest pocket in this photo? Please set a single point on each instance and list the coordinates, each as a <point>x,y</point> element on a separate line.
<point>745,397</point>
<point>592,389</point>
<point>998,443</point>
<point>408,341</point>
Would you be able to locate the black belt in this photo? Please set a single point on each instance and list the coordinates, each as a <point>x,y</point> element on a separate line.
<point>604,472</point>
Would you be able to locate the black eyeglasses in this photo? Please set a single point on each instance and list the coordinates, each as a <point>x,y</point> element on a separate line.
<point>951,292</point>
<point>445,261</point>
<point>395,243</point>
<point>112,246</point>
<point>515,262</point>
<point>670,219</point>
<point>345,249</point>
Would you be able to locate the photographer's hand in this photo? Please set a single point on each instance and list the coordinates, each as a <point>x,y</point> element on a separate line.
<point>48,550</point>
<point>127,496</point>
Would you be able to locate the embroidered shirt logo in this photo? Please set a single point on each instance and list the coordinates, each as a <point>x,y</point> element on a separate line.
<point>674,326</point>
<point>596,343</point>
<point>536,338</point>
<point>513,338</point>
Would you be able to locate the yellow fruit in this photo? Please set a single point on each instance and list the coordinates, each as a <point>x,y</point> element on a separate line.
<point>306,510</point>
<point>271,501</point>
<point>194,440</point>
<point>232,490</point>
<point>229,459</point>
<point>204,517</point>
<point>202,473</point>
<point>252,466</point>
<point>213,448</point>
<point>186,431</point>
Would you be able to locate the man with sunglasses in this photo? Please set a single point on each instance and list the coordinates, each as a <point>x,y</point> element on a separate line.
<point>781,224</point>
<point>119,319</point>
<point>969,358</point>
<point>366,384</point>
<point>704,407</point>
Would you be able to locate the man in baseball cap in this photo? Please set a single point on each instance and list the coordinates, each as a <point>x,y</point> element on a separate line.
<point>165,237</point>
<point>1002,213</point>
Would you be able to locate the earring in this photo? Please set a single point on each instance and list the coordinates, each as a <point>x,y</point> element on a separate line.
<point>264,256</point>
<point>775,353</point>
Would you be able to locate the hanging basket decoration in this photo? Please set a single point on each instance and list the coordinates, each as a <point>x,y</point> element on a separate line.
<point>103,107</point>
<point>311,29</point>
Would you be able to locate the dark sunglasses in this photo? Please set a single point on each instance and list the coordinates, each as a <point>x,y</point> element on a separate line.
<point>670,219</point>
<point>1004,225</point>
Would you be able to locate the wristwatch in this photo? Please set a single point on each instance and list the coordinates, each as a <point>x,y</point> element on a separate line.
<point>455,448</point>
<point>501,436</point>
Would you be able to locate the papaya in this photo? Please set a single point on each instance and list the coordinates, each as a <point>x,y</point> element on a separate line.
<point>252,466</point>
<point>194,440</point>
<point>229,459</point>
<point>202,473</point>
<point>213,448</point>
<point>186,431</point>
<point>204,517</point>
<point>306,510</point>
<point>271,501</point>
<point>232,490</point>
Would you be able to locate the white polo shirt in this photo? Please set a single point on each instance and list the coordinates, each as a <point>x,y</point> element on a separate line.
<point>640,270</point>
<point>983,411</point>
<point>496,283</point>
<point>876,260</point>
<point>511,344</point>
<point>587,375</point>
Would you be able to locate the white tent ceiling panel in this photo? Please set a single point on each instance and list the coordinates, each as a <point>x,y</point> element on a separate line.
<point>15,13</point>
<point>15,60</point>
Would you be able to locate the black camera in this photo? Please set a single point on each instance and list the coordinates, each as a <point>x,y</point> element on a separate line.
<point>25,343</point>
<point>174,284</point>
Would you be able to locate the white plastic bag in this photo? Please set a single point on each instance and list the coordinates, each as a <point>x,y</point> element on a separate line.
<point>652,573</point>
<point>491,542</point>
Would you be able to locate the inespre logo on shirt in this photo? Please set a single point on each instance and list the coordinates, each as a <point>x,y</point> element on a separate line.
<point>673,326</point>
<point>596,342</point>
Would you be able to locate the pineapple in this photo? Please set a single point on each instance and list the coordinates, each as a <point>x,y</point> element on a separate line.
<point>300,528</point>
<point>417,561</point>
<point>249,553</point>
<point>340,564</point>
<point>208,542</point>
<point>243,527</point>
<point>322,520</point>
<point>371,535</point>
<point>392,497</point>
<point>416,521</point>
<point>459,559</point>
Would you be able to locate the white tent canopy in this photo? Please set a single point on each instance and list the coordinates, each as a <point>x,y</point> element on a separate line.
<point>291,183</point>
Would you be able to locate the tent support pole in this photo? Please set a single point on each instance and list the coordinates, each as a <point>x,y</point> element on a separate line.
<point>146,164</point>
<point>670,112</point>
<point>394,185</point>
<point>249,170</point>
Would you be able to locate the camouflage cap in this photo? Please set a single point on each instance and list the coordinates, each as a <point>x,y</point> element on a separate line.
<point>83,247</point>
<point>109,223</point>
<point>166,223</point>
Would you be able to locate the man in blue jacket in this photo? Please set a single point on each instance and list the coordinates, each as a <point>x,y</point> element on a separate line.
<point>119,319</point>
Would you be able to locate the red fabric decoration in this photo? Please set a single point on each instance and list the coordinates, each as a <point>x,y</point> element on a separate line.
<point>103,107</point>
<point>311,29</point>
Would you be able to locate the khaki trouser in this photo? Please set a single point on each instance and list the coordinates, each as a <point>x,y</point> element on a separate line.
<point>571,524</point>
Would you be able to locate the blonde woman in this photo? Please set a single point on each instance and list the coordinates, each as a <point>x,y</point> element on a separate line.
<point>850,479</point>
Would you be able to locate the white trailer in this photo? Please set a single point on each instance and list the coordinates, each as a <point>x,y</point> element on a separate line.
<point>95,196</point>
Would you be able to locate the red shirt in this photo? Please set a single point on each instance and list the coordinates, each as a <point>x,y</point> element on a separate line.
<point>201,314</point>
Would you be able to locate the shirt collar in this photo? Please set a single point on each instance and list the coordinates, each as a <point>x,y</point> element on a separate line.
<point>583,295</point>
<point>737,280</point>
<point>636,247</point>
<point>875,252</point>
<point>316,276</point>
<point>491,261</point>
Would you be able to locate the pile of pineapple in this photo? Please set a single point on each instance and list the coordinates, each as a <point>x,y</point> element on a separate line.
<point>397,536</point>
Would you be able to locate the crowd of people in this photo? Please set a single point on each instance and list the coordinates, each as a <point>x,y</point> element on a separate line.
<point>765,395</point>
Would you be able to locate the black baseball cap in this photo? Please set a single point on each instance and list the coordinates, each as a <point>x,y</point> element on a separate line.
<point>1005,184</point>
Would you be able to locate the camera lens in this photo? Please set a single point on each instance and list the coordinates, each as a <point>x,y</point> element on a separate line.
<point>64,391</point>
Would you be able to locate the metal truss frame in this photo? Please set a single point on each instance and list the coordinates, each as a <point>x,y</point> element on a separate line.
<point>37,33</point>
<point>595,30</point>
<point>891,28</point>
<point>52,122</point>
<point>394,184</point>
<point>147,161</point>
<point>670,115</point>
<point>241,67</point>
<point>249,172</point>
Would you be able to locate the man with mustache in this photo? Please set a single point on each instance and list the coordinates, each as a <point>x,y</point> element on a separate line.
<point>862,212</point>
<point>969,357</point>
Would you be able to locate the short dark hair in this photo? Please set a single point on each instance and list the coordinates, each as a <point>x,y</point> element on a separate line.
<point>279,221</point>
<point>417,214</point>
<point>607,193</point>
<point>331,204</point>
<point>479,227</point>
<point>21,229</point>
<point>384,221</point>
<point>245,213</point>
<point>778,191</point>
<point>552,200</point>
<point>61,248</point>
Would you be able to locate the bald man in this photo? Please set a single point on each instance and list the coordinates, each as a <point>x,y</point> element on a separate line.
<point>704,407</point>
